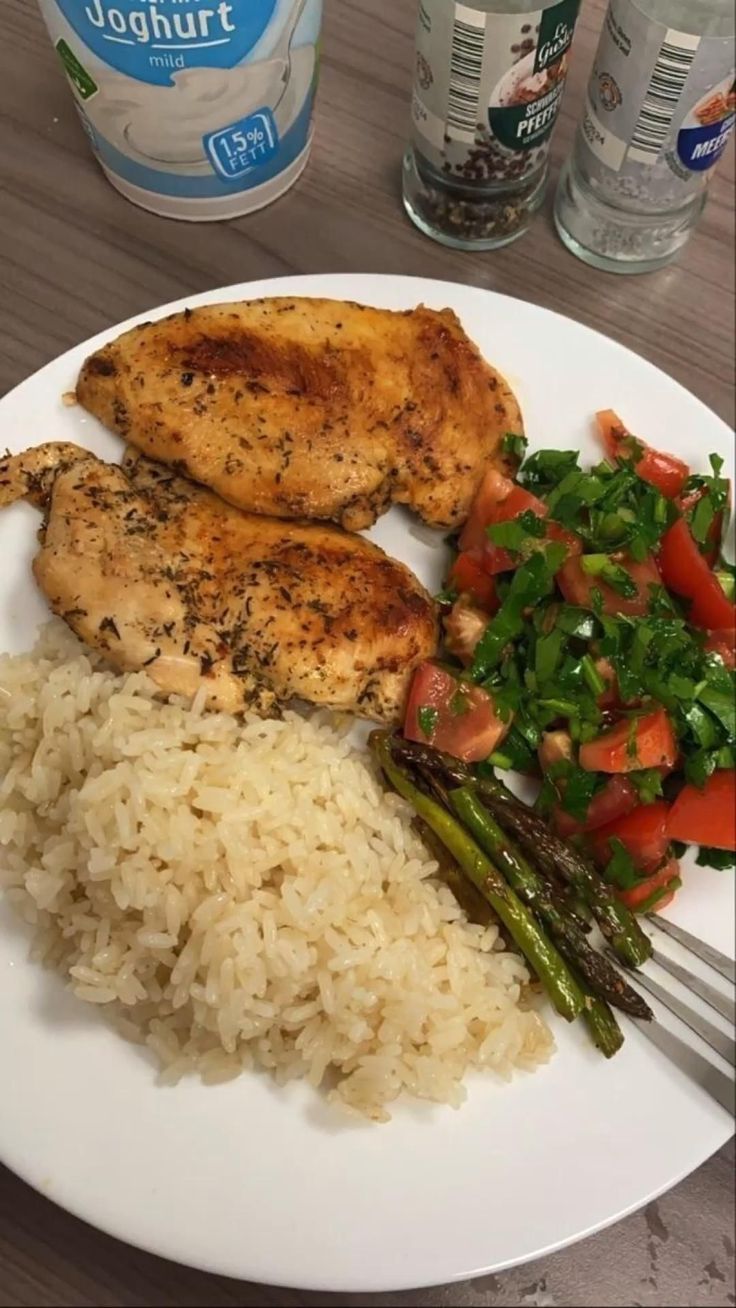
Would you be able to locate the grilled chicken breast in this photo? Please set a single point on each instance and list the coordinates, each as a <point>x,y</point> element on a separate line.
<point>306,408</point>
<point>158,573</point>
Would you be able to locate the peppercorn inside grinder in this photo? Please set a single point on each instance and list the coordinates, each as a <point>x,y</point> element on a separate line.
<point>488,86</point>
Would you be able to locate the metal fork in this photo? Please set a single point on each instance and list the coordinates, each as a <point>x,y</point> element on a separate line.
<point>712,1078</point>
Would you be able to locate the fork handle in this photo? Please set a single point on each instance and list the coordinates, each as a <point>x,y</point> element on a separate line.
<point>717,1083</point>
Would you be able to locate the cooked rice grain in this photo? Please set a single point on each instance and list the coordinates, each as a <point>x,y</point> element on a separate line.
<point>242,893</point>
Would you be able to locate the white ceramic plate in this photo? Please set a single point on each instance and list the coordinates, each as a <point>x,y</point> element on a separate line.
<point>271,1185</point>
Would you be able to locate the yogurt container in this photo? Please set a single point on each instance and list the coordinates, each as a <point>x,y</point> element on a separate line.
<point>196,109</point>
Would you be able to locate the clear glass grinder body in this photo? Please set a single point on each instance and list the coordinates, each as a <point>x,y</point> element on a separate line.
<point>660,109</point>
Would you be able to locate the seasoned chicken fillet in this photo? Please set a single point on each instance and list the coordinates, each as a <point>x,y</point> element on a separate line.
<point>160,574</point>
<point>305,408</point>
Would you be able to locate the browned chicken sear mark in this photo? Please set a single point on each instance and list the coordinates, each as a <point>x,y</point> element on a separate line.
<point>160,574</point>
<point>291,368</point>
<point>378,407</point>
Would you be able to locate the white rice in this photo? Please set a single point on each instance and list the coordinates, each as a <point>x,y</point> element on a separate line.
<point>242,893</point>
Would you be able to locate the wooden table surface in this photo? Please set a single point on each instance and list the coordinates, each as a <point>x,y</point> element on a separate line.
<point>75,258</point>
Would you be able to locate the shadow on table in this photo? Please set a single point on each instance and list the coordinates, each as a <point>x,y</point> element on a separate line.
<point>678,1251</point>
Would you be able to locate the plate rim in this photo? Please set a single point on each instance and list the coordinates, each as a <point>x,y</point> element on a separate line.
<point>370,284</point>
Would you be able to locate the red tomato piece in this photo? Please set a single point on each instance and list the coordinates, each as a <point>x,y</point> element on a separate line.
<point>578,586</point>
<point>498,500</point>
<point>643,833</point>
<point>497,560</point>
<point>452,716</point>
<point>685,571</point>
<point>501,500</point>
<point>707,816</point>
<point>635,743</point>
<point>723,643</point>
<point>464,627</point>
<point>617,798</point>
<point>470,579</point>
<point>517,502</point>
<point>664,471</point>
<point>638,895</point>
<point>556,532</point>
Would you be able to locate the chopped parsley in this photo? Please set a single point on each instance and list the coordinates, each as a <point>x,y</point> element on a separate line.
<point>519,534</point>
<point>514,446</point>
<point>621,870</point>
<point>459,704</point>
<point>428,718</point>
<point>604,567</point>
<point>721,859</point>
<point>610,507</point>
<point>554,665</point>
<point>706,498</point>
<point>579,789</point>
<point>532,582</point>
<point>648,784</point>
<point>658,895</point>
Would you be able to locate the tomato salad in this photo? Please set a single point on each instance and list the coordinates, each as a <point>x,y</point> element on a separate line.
<point>591,642</point>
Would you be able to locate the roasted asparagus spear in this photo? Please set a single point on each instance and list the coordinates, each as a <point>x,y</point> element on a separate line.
<point>562,987</point>
<point>551,855</point>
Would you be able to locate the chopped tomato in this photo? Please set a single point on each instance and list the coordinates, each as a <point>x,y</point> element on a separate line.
<point>635,743</point>
<point>498,500</point>
<point>643,833</point>
<point>578,586</point>
<point>715,531</point>
<point>556,532</point>
<point>724,643</point>
<point>638,895</point>
<point>617,798</point>
<point>501,500</point>
<point>685,571</point>
<point>707,816</point>
<point>464,627</point>
<point>470,579</point>
<point>664,471</point>
<point>452,716</point>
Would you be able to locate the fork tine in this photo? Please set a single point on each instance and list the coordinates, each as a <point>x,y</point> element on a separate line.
<point>726,1007</point>
<point>713,957</point>
<point>717,1083</point>
<point>721,1043</point>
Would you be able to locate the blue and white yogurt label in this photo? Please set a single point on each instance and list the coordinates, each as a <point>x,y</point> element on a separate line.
<point>193,100</point>
<point>244,146</point>
<point>148,39</point>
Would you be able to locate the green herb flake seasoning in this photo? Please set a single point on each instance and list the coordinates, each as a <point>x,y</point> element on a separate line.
<point>514,446</point>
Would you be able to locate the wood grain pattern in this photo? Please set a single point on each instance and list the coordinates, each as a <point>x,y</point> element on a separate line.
<point>75,258</point>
